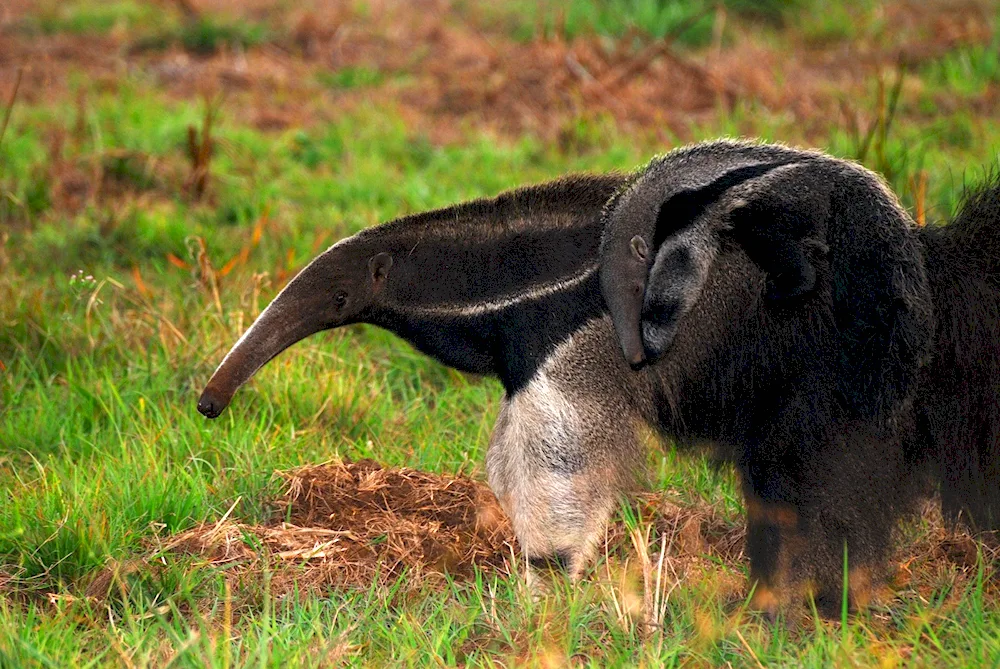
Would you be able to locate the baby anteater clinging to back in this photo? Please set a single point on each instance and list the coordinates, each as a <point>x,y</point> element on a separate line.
<point>777,303</point>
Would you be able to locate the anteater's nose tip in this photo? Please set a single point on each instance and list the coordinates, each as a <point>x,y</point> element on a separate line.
<point>210,406</point>
<point>635,355</point>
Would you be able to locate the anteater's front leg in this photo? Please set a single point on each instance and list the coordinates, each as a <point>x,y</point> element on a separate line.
<point>558,462</point>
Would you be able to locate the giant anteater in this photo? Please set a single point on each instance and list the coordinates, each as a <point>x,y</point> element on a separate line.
<point>839,356</point>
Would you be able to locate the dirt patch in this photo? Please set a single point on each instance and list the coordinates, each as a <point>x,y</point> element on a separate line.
<point>401,518</point>
<point>354,524</point>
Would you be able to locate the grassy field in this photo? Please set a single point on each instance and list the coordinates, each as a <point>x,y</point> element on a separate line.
<point>166,167</point>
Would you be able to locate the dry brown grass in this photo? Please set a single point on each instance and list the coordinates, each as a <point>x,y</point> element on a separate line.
<point>351,524</point>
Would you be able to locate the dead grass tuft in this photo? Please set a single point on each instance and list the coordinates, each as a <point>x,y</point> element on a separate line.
<point>401,518</point>
<point>932,558</point>
<point>351,524</point>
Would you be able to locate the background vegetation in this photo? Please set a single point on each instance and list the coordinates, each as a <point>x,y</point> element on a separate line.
<point>165,167</point>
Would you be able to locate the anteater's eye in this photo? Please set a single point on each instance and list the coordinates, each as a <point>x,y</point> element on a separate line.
<point>340,299</point>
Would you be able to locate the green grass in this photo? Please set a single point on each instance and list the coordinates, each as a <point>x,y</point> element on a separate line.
<point>207,35</point>
<point>820,23</point>
<point>691,23</point>
<point>203,35</point>
<point>351,77</point>
<point>686,21</point>
<point>967,71</point>
<point>102,451</point>
<point>158,25</point>
<point>84,18</point>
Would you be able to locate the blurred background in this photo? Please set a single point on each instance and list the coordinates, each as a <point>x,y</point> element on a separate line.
<point>907,86</point>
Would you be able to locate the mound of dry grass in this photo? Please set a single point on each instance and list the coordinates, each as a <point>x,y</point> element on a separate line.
<point>350,524</point>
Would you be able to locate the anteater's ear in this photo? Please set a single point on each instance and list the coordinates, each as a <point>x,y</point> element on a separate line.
<point>640,250</point>
<point>378,268</point>
<point>780,220</point>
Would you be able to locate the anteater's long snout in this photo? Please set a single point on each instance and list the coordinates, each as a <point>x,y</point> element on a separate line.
<point>625,306</point>
<point>300,310</point>
<point>284,322</point>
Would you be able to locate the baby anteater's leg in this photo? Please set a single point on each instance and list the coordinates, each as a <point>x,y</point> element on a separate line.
<point>558,462</point>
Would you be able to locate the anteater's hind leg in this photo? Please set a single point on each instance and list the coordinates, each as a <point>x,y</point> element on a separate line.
<point>805,509</point>
<point>558,461</point>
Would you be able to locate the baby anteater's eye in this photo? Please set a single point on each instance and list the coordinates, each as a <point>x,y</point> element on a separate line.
<point>340,299</point>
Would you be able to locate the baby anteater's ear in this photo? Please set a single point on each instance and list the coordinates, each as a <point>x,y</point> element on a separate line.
<point>780,220</point>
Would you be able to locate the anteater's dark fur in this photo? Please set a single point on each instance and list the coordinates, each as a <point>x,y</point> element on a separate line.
<point>958,401</point>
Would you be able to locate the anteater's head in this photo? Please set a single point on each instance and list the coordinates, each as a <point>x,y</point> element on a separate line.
<point>337,288</point>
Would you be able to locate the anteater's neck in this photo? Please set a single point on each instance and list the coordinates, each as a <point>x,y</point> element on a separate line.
<point>491,287</point>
